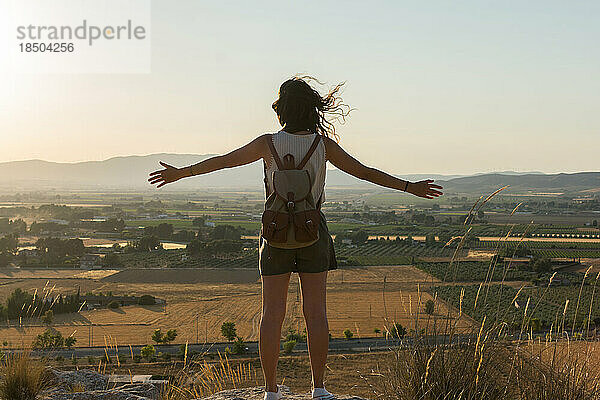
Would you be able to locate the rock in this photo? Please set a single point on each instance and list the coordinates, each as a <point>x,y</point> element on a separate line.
<point>257,393</point>
<point>90,385</point>
<point>85,379</point>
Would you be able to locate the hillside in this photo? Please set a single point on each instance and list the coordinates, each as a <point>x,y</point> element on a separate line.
<point>537,183</point>
<point>131,172</point>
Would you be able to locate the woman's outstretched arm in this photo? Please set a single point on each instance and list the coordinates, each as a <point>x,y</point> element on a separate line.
<point>352,166</point>
<point>255,150</point>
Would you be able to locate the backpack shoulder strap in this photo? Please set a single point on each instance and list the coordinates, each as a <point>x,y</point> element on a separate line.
<point>310,151</point>
<point>274,153</point>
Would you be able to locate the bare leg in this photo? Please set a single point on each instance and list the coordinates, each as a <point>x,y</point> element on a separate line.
<point>274,298</point>
<point>314,307</point>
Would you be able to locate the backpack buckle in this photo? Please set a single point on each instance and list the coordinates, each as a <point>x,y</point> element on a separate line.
<point>270,229</point>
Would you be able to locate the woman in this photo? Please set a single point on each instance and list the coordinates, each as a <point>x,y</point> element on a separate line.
<point>303,113</point>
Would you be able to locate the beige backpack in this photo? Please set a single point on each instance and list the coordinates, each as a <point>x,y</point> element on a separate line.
<point>291,217</point>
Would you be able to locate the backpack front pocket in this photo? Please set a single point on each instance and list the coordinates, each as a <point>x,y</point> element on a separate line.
<point>306,225</point>
<point>274,226</point>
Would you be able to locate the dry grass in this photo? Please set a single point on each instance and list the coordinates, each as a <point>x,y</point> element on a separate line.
<point>199,379</point>
<point>22,377</point>
<point>198,310</point>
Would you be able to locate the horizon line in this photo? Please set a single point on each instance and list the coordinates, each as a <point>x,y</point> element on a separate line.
<point>329,168</point>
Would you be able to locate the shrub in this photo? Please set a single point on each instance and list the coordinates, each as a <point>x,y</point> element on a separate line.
<point>228,330</point>
<point>288,346</point>
<point>148,352</point>
<point>297,336</point>
<point>239,347</point>
<point>23,378</point>
<point>167,337</point>
<point>52,339</point>
<point>398,331</point>
<point>348,334</point>
<point>114,305</point>
<point>376,331</point>
<point>48,317</point>
<point>429,307</point>
<point>146,300</point>
<point>157,336</point>
<point>164,356</point>
<point>70,341</point>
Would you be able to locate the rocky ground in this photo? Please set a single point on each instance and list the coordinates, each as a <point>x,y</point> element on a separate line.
<point>90,385</point>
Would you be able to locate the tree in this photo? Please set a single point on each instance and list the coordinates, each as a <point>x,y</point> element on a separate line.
<point>536,324</point>
<point>398,331</point>
<point>48,317</point>
<point>148,352</point>
<point>348,334</point>
<point>429,307</point>
<point>147,243</point>
<point>430,239</point>
<point>170,336</point>
<point>164,231</point>
<point>198,221</point>
<point>157,336</point>
<point>18,303</point>
<point>164,338</point>
<point>52,339</point>
<point>376,331</point>
<point>360,237</point>
<point>541,264</point>
<point>228,331</point>
<point>112,260</point>
<point>222,246</point>
<point>229,232</point>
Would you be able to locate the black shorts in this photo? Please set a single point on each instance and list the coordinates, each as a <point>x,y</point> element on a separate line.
<point>318,257</point>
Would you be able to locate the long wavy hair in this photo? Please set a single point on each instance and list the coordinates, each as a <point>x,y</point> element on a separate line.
<point>302,107</point>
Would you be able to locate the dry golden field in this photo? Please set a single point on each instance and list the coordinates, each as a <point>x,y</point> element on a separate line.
<point>356,301</point>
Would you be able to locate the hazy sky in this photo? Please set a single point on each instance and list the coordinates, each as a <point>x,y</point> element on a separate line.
<point>438,86</point>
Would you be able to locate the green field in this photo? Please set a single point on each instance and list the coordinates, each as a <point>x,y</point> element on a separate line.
<point>501,303</point>
<point>474,271</point>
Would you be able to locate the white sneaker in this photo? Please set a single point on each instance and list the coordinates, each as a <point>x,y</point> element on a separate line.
<point>322,394</point>
<point>273,395</point>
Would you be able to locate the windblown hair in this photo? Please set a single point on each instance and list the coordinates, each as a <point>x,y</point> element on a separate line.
<point>301,106</point>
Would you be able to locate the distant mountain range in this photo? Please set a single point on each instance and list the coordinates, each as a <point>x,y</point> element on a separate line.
<point>131,172</point>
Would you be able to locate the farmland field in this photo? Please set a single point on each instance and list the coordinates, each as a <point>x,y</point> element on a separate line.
<point>562,306</point>
<point>355,301</point>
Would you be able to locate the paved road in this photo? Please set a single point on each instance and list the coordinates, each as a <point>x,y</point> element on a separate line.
<point>335,345</point>
<point>213,348</point>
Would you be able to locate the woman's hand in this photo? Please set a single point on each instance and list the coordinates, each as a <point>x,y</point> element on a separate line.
<point>425,189</point>
<point>167,175</point>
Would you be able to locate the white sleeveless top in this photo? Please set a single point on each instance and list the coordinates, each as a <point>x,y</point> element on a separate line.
<point>298,145</point>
